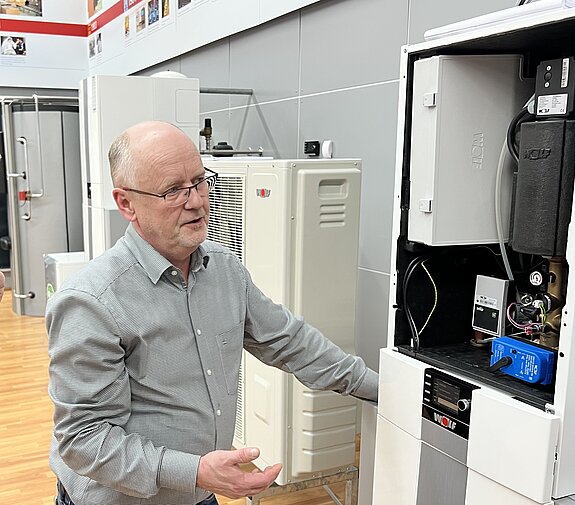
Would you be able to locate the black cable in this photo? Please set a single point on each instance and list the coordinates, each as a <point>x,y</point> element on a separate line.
<point>519,118</point>
<point>408,272</point>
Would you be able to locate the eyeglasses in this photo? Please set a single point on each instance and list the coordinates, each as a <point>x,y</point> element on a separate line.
<point>179,196</point>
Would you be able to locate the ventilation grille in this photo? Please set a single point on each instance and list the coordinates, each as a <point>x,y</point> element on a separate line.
<point>226,226</point>
<point>331,215</point>
<point>227,211</point>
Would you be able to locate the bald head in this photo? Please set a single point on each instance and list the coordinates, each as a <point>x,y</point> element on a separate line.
<point>141,145</point>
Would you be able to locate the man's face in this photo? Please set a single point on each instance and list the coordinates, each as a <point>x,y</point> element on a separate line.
<point>175,232</point>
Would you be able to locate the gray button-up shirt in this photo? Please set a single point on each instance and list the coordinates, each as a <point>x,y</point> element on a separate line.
<point>144,369</point>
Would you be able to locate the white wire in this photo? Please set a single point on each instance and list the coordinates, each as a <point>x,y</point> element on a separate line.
<point>500,165</point>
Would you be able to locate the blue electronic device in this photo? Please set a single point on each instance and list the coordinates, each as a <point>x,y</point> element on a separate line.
<point>522,360</point>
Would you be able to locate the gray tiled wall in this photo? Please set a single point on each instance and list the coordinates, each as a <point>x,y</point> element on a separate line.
<point>328,71</point>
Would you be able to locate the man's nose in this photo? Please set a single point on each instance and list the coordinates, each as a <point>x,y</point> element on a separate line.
<point>194,200</point>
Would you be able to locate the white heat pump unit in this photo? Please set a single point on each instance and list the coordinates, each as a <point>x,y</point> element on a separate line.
<point>109,105</point>
<point>294,225</point>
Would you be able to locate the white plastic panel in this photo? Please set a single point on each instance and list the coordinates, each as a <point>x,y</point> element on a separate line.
<point>453,162</point>
<point>513,444</point>
<point>481,490</point>
<point>323,434</point>
<point>324,249</point>
<point>396,473</point>
<point>266,410</point>
<point>401,390</point>
<point>268,230</point>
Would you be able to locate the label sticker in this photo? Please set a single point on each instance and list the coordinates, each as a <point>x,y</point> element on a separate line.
<point>565,72</point>
<point>548,105</point>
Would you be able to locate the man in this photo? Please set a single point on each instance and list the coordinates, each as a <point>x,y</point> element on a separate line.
<point>146,341</point>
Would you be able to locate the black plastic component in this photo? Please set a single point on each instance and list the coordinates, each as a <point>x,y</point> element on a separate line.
<point>544,191</point>
<point>506,360</point>
<point>311,147</point>
<point>555,88</point>
<point>223,146</point>
<point>5,243</point>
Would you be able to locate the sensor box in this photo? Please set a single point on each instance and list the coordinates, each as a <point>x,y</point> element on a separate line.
<point>489,305</point>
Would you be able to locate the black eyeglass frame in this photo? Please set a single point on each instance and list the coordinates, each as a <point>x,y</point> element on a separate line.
<point>213,177</point>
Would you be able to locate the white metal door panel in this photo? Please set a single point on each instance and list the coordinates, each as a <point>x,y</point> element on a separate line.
<point>564,399</point>
<point>481,491</point>
<point>401,390</point>
<point>324,249</point>
<point>513,444</point>
<point>323,434</point>
<point>268,224</point>
<point>460,154</point>
<point>396,472</point>
<point>266,409</point>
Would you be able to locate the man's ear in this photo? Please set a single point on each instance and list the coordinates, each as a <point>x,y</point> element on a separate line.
<point>124,204</point>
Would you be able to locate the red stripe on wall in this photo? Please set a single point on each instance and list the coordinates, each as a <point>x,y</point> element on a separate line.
<point>103,19</point>
<point>67,29</point>
<point>44,27</point>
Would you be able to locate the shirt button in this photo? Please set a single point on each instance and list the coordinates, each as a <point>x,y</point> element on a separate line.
<point>174,273</point>
<point>199,332</point>
<point>219,412</point>
<point>209,372</point>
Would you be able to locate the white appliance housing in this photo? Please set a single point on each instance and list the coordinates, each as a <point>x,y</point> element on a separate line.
<point>454,163</point>
<point>294,224</point>
<point>508,457</point>
<point>516,452</point>
<point>109,105</point>
<point>42,156</point>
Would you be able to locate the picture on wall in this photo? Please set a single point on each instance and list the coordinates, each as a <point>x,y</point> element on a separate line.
<point>94,6</point>
<point>92,47</point>
<point>141,19</point>
<point>127,26</point>
<point>165,8</point>
<point>183,3</point>
<point>153,11</point>
<point>21,7</point>
<point>13,45</point>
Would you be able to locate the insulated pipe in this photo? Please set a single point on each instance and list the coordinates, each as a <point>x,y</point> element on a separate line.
<point>227,91</point>
<point>223,153</point>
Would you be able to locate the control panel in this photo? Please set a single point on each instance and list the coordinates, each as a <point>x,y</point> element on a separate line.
<point>447,401</point>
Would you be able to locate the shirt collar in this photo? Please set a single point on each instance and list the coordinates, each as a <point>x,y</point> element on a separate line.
<point>153,263</point>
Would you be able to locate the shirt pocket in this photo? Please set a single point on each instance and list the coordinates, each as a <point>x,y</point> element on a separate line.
<point>230,345</point>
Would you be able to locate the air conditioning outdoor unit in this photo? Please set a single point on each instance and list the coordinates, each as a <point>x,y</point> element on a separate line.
<point>294,224</point>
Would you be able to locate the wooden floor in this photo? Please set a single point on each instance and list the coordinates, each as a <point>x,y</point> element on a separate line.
<point>26,419</point>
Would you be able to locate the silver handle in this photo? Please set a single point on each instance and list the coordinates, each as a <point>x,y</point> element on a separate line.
<point>30,295</point>
<point>14,176</point>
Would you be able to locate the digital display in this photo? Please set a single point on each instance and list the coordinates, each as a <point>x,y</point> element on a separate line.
<point>445,394</point>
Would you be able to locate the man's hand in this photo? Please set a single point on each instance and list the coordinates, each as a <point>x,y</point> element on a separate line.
<point>1,285</point>
<point>220,472</point>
